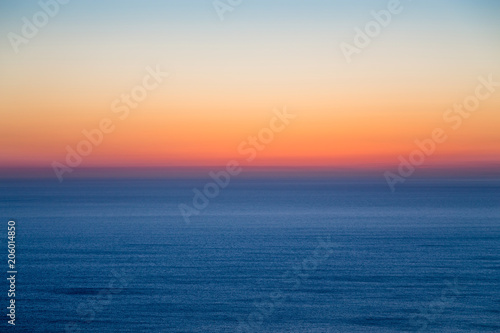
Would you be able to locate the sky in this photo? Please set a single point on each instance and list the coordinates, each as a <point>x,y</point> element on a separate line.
<point>227,78</point>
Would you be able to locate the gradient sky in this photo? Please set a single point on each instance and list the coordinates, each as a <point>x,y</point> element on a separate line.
<point>227,77</point>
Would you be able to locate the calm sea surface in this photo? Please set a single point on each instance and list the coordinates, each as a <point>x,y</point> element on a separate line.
<point>263,256</point>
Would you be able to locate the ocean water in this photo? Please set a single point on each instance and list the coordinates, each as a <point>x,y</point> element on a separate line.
<point>263,256</point>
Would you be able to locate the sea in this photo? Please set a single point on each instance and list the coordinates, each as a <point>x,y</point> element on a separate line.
<point>259,255</point>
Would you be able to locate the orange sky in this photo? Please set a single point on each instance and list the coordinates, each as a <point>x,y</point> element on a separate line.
<point>226,79</point>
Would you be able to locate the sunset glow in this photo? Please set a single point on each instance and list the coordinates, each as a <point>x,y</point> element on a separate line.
<point>225,80</point>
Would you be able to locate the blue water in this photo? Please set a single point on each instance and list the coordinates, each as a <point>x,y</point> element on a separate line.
<point>264,256</point>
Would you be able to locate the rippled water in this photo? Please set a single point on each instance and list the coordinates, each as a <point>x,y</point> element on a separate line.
<point>264,256</point>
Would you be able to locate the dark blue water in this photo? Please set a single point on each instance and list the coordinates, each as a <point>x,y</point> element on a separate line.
<point>264,256</point>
